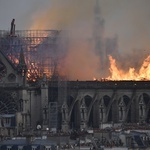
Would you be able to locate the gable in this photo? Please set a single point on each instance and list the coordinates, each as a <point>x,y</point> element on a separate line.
<point>8,72</point>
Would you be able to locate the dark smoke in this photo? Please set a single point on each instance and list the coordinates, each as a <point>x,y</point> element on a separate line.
<point>129,19</point>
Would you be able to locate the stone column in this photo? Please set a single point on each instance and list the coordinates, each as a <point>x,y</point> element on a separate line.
<point>142,112</point>
<point>83,113</point>
<point>44,102</point>
<point>102,113</point>
<point>65,117</point>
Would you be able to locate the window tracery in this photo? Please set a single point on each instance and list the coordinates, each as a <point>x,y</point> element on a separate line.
<point>8,104</point>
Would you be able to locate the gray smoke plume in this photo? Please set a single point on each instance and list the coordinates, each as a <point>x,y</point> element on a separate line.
<point>129,19</point>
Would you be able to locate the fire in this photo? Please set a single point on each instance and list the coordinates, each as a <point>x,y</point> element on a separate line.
<point>94,79</point>
<point>131,74</point>
<point>32,74</point>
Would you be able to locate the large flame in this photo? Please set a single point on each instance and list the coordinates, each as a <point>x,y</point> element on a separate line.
<point>131,74</point>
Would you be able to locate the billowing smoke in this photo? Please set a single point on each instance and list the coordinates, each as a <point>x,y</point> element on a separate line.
<point>129,19</point>
<point>76,18</point>
<point>62,15</point>
<point>76,22</point>
<point>81,62</point>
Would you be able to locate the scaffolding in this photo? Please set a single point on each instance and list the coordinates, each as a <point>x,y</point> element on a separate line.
<point>39,48</point>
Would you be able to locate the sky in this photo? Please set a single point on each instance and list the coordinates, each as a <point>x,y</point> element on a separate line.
<point>129,19</point>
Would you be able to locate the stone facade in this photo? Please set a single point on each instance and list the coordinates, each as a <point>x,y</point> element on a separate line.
<point>91,103</point>
<point>67,104</point>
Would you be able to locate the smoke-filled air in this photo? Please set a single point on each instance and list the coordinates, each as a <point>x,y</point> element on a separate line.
<point>91,47</point>
<point>99,38</point>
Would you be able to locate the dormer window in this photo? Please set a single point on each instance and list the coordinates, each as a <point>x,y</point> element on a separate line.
<point>47,147</point>
<point>34,147</point>
<point>9,147</point>
<point>20,147</point>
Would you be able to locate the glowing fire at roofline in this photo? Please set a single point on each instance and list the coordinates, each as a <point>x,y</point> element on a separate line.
<point>131,75</point>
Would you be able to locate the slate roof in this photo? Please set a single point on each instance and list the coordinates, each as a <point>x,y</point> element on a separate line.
<point>43,142</point>
<point>14,142</point>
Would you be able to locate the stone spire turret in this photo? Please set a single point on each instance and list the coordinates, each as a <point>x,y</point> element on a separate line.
<point>22,67</point>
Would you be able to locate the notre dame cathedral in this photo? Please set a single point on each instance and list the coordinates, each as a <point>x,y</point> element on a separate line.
<point>31,101</point>
<point>64,105</point>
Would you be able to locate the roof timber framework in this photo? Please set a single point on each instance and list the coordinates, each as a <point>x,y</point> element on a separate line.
<point>38,47</point>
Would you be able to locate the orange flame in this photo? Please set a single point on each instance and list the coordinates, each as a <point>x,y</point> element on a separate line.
<point>131,74</point>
